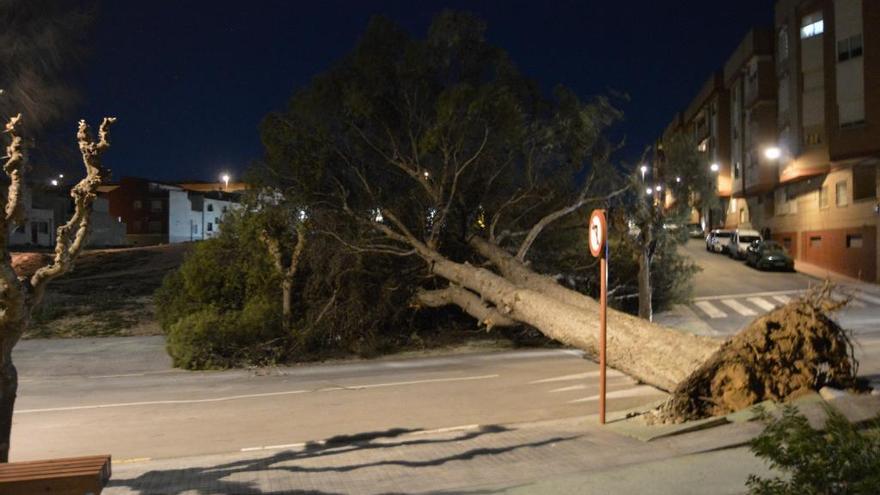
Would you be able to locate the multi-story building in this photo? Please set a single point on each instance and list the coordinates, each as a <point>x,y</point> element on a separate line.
<point>804,133</point>
<point>156,212</point>
<point>750,81</point>
<point>828,76</point>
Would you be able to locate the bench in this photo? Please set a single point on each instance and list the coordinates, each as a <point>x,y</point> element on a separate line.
<point>70,476</point>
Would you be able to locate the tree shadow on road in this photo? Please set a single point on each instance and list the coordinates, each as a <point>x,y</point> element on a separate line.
<point>221,479</point>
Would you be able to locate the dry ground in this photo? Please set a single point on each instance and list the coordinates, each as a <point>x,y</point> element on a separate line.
<point>109,292</point>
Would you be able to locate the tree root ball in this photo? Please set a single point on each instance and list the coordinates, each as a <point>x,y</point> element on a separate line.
<point>789,351</point>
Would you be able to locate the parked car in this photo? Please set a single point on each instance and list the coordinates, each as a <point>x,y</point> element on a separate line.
<point>695,231</point>
<point>740,241</point>
<point>765,255</point>
<point>717,240</point>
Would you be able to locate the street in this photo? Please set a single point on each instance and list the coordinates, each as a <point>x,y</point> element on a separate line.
<point>156,413</point>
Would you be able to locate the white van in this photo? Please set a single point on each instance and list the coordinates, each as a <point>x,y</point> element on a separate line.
<point>740,242</point>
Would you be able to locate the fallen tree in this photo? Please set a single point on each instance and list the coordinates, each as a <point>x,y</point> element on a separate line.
<point>441,150</point>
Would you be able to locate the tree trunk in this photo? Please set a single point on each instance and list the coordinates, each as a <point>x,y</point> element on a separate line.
<point>286,304</point>
<point>8,389</point>
<point>650,353</point>
<point>646,312</point>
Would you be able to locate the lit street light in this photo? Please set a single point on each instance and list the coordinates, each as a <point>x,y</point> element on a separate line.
<point>678,179</point>
<point>644,168</point>
<point>54,182</point>
<point>658,188</point>
<point>714,167</point>
<point>225,179</point>
<point>648,191</point>
<point>772,153</point>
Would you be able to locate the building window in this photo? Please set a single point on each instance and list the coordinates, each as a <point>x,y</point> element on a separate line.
<point>154,227</point>
<point>854,240</point>
<point>137,204</point>
<point>42,227</point>
<point>812,25</point>
<point>864,182</point>
<point>823,197</point>
<point>815,242</point>
<point>210,207</point>
<point>210,227</point>
<point>849,48</point>
<point>156,205</point>
<point>842,199</point>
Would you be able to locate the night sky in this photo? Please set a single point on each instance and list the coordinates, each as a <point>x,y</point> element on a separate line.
<point>190,81</point>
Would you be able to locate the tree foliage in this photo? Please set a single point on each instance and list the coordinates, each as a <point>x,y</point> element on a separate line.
<point>840,459</point>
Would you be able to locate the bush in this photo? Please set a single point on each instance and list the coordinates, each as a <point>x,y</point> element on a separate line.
<point>210,339</point>
<point>839,460</point>
<point>222,307</point>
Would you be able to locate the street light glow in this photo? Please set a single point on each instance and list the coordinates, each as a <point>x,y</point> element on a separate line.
<point>54,182</point>
<point>714,167</point>
<point>427,174</point>
<point>678,179</point>
<point>225,179</point>
<point>648,191</point>
<point>772,153</point>
<point>658,188</point>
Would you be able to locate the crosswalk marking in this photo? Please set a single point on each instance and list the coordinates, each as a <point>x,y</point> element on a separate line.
<point>782,299</point>
<point>762,303</point>
<point>710,309</point>
<point>576,376</point>
<point>738,307</point>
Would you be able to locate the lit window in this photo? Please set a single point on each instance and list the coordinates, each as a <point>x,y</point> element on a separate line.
<point>812,25</point>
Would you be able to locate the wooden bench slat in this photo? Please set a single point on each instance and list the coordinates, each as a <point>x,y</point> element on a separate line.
<point>74,475</point>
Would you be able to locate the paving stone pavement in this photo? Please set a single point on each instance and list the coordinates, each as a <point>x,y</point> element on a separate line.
<point>480,459</point>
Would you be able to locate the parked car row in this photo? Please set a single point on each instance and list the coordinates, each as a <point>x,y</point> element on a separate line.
<point>746,244</point>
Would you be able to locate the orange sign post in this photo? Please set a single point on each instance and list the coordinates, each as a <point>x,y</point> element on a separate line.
<point>598,240</point>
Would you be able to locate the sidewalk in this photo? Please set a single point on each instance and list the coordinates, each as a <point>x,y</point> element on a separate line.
<point>569,454</point>
<point>823,274</point>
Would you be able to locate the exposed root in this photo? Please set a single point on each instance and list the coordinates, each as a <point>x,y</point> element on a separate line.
<point>789,351</point>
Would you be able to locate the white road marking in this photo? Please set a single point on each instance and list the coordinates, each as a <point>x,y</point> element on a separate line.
<point>590,385</point>
<point>252,396</point>
<point>738,307</point>
<point>865,297</point>
<point>752,294</point>
<point>576,376</point>
<point>710,309</point>
<point>762,303</point>
<point>299,445</point>
<point>639,391</point>
<point>782,299</point>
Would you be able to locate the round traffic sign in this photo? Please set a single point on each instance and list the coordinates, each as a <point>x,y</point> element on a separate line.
<point>598,232</point>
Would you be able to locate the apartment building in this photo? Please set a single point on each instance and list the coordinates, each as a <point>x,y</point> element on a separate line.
<point>803,146</point>
<point>828,83</point>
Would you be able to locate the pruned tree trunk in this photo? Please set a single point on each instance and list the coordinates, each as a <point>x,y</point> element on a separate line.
<point>21,293</point>
<point>286,264</point>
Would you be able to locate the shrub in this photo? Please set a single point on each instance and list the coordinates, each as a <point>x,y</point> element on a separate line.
<point>839,460</point>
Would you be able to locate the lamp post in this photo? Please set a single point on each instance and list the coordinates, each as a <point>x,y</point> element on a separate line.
<point>225,179</point>
<point>644,169</point>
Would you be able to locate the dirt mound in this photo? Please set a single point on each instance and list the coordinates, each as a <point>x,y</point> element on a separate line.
<point>781,355</point>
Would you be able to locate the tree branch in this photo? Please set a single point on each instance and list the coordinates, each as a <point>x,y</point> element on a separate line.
<point>468,302</point>
<point>72,235</point>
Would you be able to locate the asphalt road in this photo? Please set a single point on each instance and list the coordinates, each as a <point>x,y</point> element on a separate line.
<point>729,294</point>
<point>160,413</point>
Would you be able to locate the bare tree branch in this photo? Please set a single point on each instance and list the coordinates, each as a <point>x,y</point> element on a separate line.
<point>467,301</point>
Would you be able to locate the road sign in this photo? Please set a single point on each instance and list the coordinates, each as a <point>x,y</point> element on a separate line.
<point>597,237</point>
<point>598,241</point>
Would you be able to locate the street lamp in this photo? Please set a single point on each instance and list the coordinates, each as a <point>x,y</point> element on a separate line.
<point>225,179</point>
<point>54,182</point>
<point>714,167</point>
<point>678,179</point>
<point>772,152</point>
<point>648,191</point>
<point>658,188</point>
<point>643,168</point>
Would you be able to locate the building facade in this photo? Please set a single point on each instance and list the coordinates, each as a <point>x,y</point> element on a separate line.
<point>803,102</point>
<point>157,213</point>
